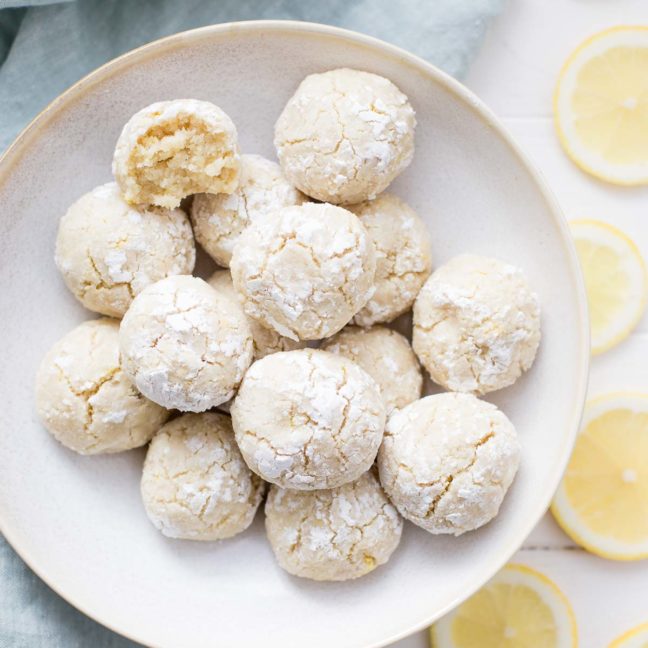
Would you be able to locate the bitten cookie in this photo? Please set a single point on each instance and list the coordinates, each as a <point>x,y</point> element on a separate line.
<point>332,535</point>
<point>85,399</point>
<point>108,251</point>
<point>447,461</point>
<point>308,419</point>
<point>345,135</point>
<point>304,271</point>
<point>172,149</point>
<point>184,345</point>
<point>195,484</point>
<point>219,219</point>
<point>476,324</point>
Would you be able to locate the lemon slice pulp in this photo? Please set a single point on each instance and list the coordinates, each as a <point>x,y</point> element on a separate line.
<point>615,279</point>
<point>518,608</point>
<point>601,105</point>
<point>602,501</point>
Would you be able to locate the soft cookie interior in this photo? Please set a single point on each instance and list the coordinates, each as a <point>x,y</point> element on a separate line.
<point>179,157</point>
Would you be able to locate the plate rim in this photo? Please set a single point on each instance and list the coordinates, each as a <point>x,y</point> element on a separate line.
<point>431,73</point>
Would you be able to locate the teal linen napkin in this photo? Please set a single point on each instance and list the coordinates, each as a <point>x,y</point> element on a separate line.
<point>44,49</point>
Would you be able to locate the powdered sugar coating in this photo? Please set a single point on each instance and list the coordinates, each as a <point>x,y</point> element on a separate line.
<point>332,535</point>
<point>85,399</point>
<point>476,324</point>
<point>386,356</point>
<point>185,345</point>
<point>308,419</point>
<point>447,461</point>
<point>172,149</point>
<point>265,340</point>
<point>403,257</point>
<point>219,219</point>
<point>195,484</point>
<point>304,271</point>
<point>108,251</point>
<point>345,135</point>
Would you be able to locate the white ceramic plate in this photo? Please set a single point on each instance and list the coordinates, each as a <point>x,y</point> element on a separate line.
<point>79,522</point>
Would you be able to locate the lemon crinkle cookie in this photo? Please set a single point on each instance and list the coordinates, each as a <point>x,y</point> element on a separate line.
<point>304,271</point>
<point>386,356</point>
<point>172,149</point>
<point>345,135</point>
<point>476,324</point>
<point>332,535</point>
<point>264,339</point>
<point>108,251</point>
<point>447,461</point>
<point>85,399</point>
<point>308,419</point>
<point>219,219</point>
<point>195,484</point>
<point>403,257</point>
<point>184,345</point>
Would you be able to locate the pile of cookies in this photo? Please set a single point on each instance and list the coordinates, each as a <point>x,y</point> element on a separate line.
<point>280,368</point>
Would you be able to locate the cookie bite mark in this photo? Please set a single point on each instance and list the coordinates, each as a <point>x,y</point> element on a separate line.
<point>172,149</point>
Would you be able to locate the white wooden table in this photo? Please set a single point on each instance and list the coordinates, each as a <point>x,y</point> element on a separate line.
<point>515,74</point>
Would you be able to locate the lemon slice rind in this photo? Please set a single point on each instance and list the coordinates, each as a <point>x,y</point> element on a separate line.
<point>564,512</point>
<point>636,637</point>
<point>605,235</point>
<point>583,156</point>
<point>520,575</point>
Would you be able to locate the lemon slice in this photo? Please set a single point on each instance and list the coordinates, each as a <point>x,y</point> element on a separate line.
<point>615,279</point>
<point>601,105</point>
<point>635,638</point>
<point>602,502</point>
<point>518,608</point>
